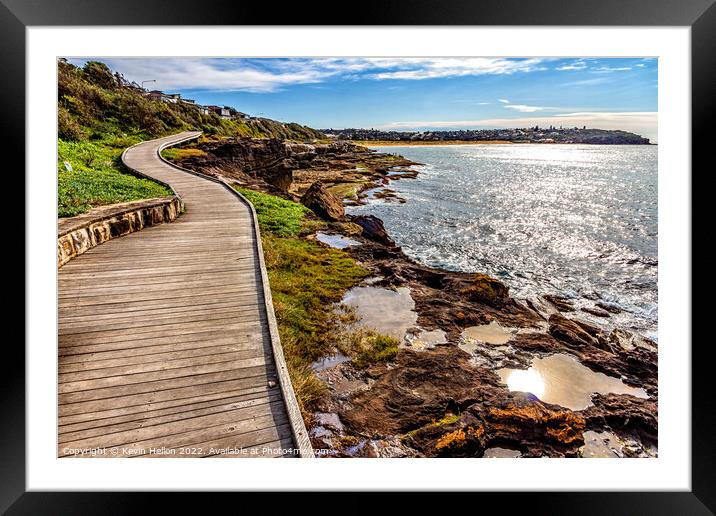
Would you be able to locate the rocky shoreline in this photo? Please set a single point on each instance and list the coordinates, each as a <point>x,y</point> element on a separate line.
<point>448,398</point>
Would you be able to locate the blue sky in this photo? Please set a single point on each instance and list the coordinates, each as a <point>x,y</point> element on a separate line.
<point>417,93</point>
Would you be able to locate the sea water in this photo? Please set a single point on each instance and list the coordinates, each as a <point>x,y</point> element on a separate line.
<point>577,220</point>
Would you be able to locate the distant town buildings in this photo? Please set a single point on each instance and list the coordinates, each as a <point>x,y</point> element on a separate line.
<point>533,134</point>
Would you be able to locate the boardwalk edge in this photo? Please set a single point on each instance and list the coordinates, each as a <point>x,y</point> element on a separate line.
<point>298,427</point>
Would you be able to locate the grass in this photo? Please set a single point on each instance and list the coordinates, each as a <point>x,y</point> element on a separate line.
<point>366,347</point>
<point>306,280</point>
<point>98,177</point>
<point>177,153</point>
<point>277,216</point>
<point>375,348</point>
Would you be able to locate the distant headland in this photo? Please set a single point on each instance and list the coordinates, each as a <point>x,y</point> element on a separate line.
<point>533,134</point>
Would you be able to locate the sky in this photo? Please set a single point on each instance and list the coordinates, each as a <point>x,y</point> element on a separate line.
<point>416,93</point>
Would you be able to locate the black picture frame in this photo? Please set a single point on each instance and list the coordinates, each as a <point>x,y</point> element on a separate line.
<point>700,15</point>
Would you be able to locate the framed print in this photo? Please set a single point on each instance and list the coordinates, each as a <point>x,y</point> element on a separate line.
<point>417,253</point>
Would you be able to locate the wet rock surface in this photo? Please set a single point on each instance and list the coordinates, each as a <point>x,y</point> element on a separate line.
<point>408,398</point>
<point>373,229</point>
<point>446,399</point>
<point>625,415</point>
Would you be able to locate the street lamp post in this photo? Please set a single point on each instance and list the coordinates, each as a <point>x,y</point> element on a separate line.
<point>150,80</point>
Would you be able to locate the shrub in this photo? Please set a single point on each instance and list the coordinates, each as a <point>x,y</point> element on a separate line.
<point>99,74</point>
<point>67,127</point>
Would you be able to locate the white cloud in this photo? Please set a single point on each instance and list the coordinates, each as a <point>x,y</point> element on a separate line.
<point>609,69</point>
<point>431,68</point>
<point>642,123</point>
<point>522,108</point>
<point>576,65</point>
<point>272,74</point>
<point>504,101</point>
<point>640,65</point>
<point>212,74</point>
<point>589,82</point>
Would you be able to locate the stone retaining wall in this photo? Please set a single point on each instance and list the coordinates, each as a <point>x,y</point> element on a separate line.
<point>75,235</point>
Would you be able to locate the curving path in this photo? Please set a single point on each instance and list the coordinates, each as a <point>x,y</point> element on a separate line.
<point>167,338</point>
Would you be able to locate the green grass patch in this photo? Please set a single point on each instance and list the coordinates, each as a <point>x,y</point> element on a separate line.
<point>176,153</point>
<point>306,279</point>
<point>98,177</point>
<point>373,348</point>
<point>277,216</point>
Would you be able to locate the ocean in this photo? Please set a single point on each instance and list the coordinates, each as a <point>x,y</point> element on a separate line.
<point>575,220</point>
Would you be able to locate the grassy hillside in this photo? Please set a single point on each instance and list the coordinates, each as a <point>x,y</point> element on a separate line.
<point>100,113</point>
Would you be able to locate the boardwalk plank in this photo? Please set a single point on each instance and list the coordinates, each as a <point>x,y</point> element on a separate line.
<point>163,333</point>
<point>115,417</point>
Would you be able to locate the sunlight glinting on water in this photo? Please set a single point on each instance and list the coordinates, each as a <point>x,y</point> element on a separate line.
<point>580,220</point>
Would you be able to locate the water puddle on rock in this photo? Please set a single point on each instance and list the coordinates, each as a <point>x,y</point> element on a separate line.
<point>560,379</point>
<point>424,340</point>
<point>606,445</point>
<point>387,311</point>
<point>491,333</point>
<point>601,445</point>
<point>329,362</point>
<point>336,241</point>
<point>501,453</point>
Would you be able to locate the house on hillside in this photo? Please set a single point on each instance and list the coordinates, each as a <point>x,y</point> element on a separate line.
<point>172,97</point>
<point>163,97</point>
<point>223,112</point>
<point>192,103</point>
<point>155,95</point>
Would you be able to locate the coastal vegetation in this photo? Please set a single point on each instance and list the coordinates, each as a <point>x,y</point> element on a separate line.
<point>307,279</point>
<point>100,113</point>
<point>93,176</point>
<point>175,153</point>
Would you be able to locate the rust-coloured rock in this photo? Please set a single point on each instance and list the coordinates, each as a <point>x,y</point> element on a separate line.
<point>421,387</point>
<point>625,414</point>
<point>513,420</point>
<point>595,311</point>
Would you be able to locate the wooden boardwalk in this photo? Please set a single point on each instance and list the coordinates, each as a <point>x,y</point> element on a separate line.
<point>167,339</point>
